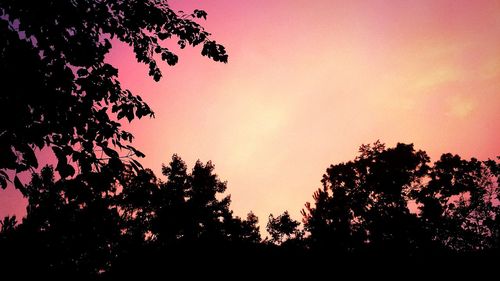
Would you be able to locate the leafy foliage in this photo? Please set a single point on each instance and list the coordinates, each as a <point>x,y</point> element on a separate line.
<point>57,90</point>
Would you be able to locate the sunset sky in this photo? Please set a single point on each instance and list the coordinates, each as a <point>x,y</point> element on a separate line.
<point>308,82</point>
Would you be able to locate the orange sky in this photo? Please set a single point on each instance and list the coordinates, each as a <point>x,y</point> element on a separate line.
<point>309,81</point>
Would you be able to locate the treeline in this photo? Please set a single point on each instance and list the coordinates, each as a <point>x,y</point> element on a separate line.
<point>387,202</point>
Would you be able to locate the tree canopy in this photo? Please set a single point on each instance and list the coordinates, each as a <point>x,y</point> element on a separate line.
<point>59,92</point>
<point>387,203</point>
<point>283,228</point>
<point>91,224</point>
<point>390,201</point>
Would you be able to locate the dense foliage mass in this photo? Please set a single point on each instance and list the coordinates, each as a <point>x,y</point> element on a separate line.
<point>388,202</point>
<point>392,201</point>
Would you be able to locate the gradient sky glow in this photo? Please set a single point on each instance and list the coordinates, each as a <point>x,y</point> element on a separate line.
<point>309,81</point>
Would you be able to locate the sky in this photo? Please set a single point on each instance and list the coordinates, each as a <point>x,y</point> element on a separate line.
<point>308,82</point>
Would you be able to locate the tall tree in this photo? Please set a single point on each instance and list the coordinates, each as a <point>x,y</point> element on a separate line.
<point>185,218</point>
<point>190,210</point>
<point>59,92</point>
<point>363,205</point>
<point>390,201</point>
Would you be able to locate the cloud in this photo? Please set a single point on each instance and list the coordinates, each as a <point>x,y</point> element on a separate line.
<point>434,77</point>
<point>461,106</point>
<point>490,69</point>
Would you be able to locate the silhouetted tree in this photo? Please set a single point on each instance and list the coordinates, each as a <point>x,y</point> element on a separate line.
<point>58,92</point>
<point>363,205</point>
<point>391,202</point>
<point>283,229</point>
<point>190,210</point>
<point>185,217</point>
<point>459,204</point>
<point>250,230</point>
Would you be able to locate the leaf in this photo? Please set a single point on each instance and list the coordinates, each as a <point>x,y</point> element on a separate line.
<point>163,35</point>
<point>169,57</point>
<point>29,157</point>
<point>115,164</point>
<point>65,170</point>
<point>182,44</point>
<point>214,51</point>
<point>8,158</point>
<point>130,115</point>
<point>58,152</point>
<point>39,143</point>
<point>70,171</point>
<point>107,44</point>
<point>75,156</point>
<point>82,72</point>
<point>21,168</point>
<point>157,76</point>
<point>120,115</point>
<point>134,166</point>
<point>136,152</point>
<point>18,184</point>
<point>137,163</point>
<point>110,152</point>
<point>63,167</point>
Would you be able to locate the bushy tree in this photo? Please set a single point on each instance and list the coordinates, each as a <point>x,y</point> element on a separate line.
<point>390,201</point>
<point>363,205</point>
<point>459,204</point>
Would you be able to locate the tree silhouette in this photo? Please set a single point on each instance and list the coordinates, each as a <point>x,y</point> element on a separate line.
<point>180,219</point>
<point>57,90</point>
<point>193,196</point>
<point>459,204</point>
<point>363,203</point>
<point>389,201</point>
<point>283,228</point>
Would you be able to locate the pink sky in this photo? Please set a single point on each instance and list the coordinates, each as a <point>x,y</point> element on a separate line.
<point>309,81</point>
